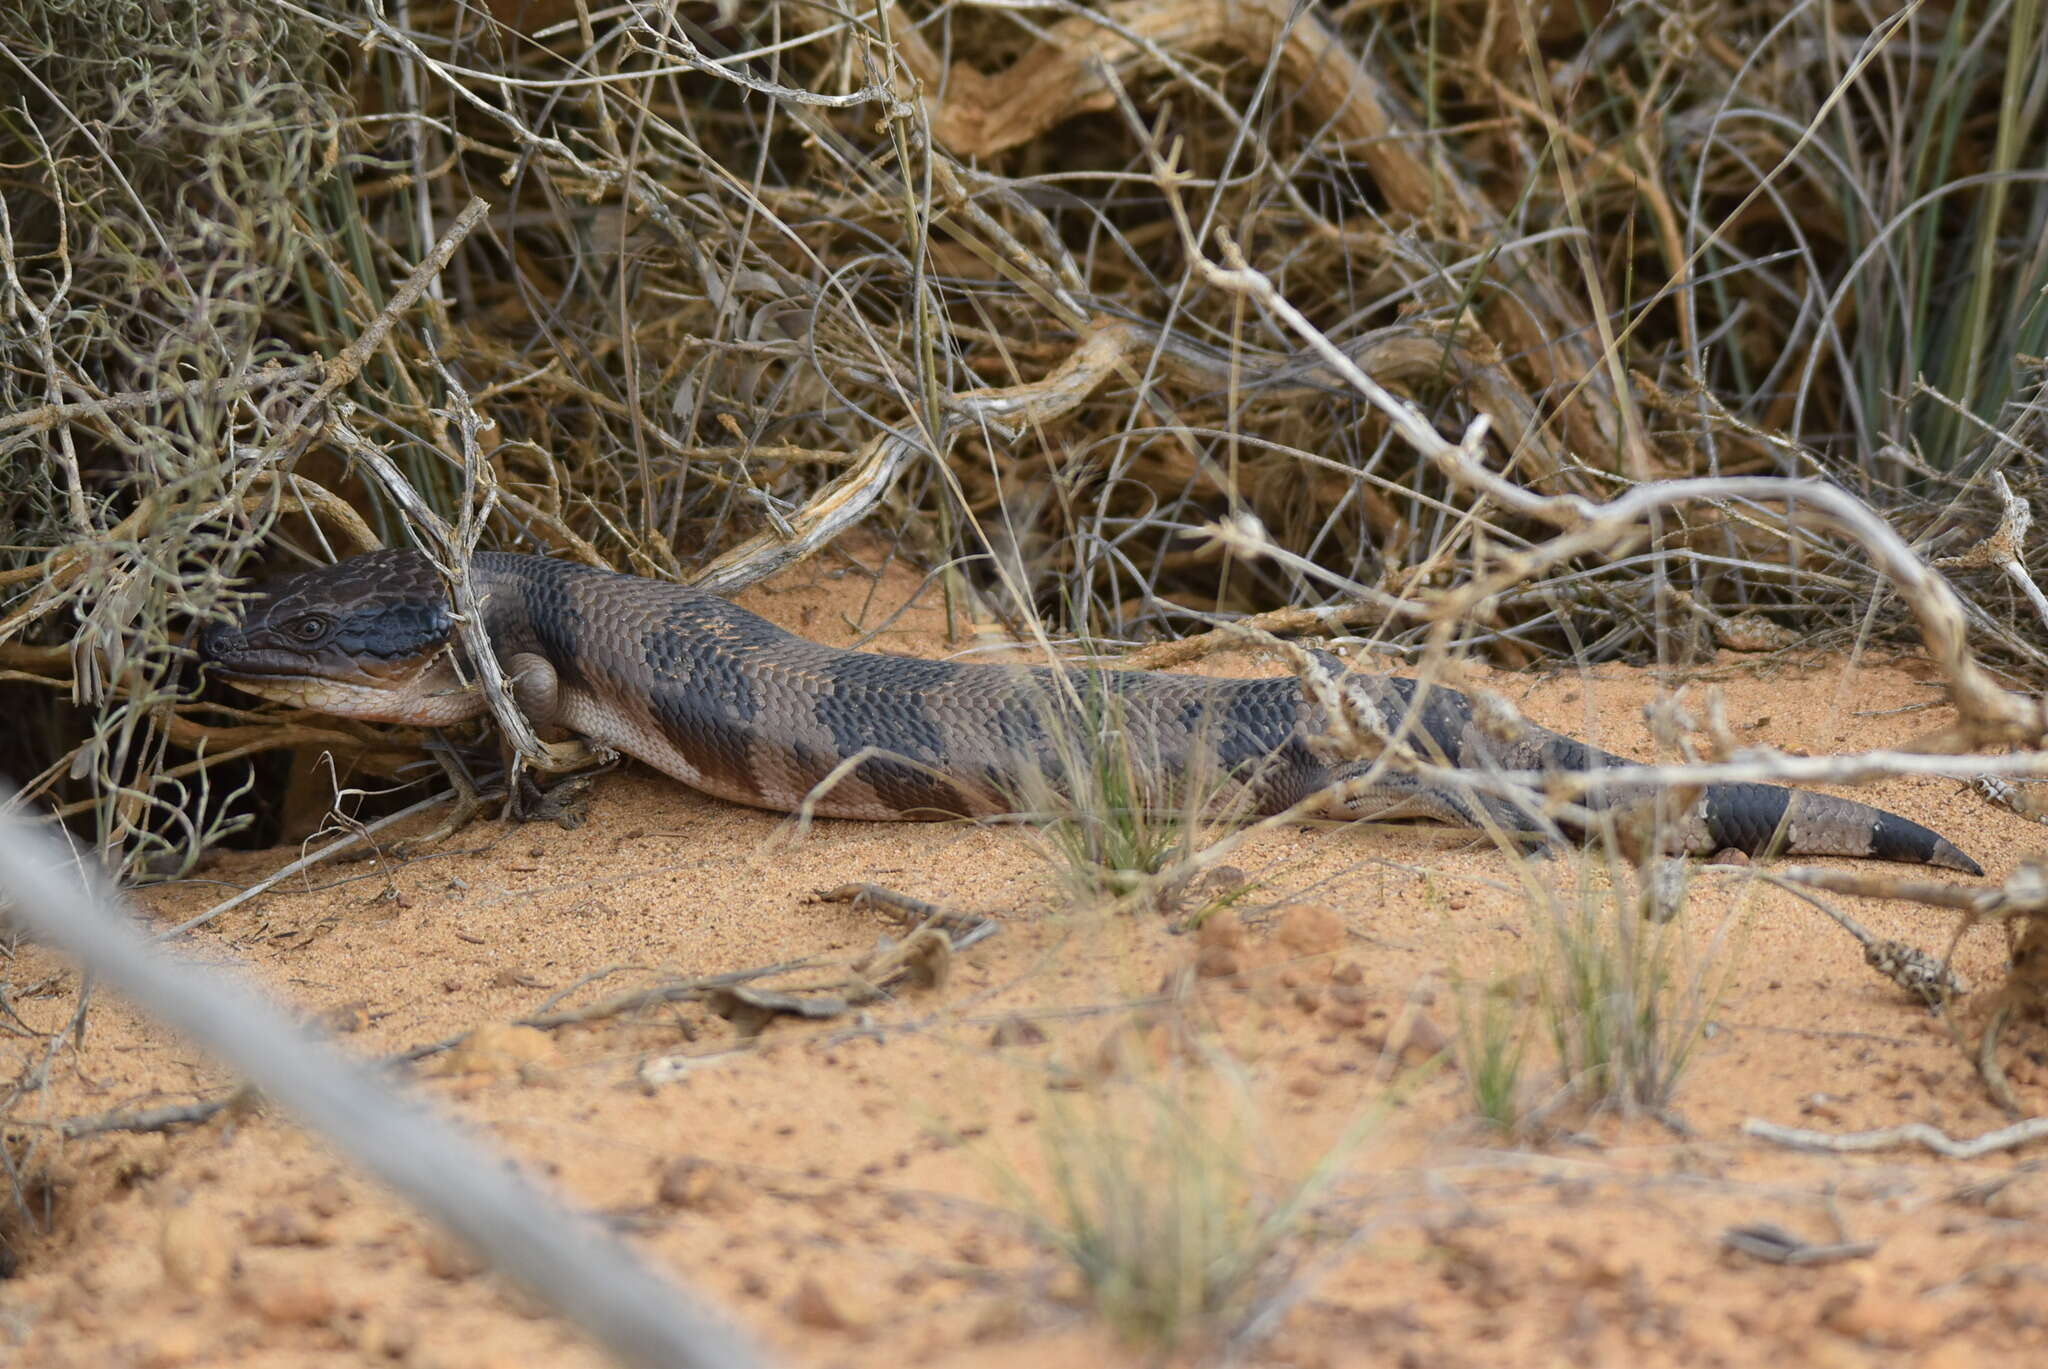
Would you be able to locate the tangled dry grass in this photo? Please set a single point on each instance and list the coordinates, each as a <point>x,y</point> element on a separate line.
<point>938,265</point>
<point>728,265</point>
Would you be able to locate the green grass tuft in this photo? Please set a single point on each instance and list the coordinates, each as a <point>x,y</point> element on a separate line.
<point>1122,826</point>
<point>1623,998</point>
<point>1165,1197</point>
<point>1492,1044</point>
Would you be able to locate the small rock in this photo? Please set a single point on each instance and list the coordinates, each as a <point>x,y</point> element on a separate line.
<point>1348,973</point>
<point>1348,1016</point>
<point>1017,1031</point>
<point>1311,929</point>
<point>197,1254</point>
<point>1425,1040</point>
<point>696,1185</point>
<point>1307,1000</point>
<point>327,1196</point>
<point>1224,929</point>
<point>448,1258</point>
<point>342,1018</point>
<point>503,1051</point>
<point>1222,880</point>
<point>815,1306</point>
<point>285,1300</point>
<point>1305,1086</point>
<point>1143,1046</point>
<point>1410,1038</point>
<point>1217,962</point>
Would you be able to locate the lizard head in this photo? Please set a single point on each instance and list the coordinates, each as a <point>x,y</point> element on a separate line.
<point>371,638</point>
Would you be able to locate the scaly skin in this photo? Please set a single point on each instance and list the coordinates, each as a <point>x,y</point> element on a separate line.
<point>732,705</point>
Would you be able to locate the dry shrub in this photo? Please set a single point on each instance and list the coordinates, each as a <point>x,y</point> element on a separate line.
<point>1643,242</point>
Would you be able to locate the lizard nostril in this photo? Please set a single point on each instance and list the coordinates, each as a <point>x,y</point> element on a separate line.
<point>219,642</point>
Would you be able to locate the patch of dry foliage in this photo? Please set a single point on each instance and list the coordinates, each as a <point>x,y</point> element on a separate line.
<point>744,276</point>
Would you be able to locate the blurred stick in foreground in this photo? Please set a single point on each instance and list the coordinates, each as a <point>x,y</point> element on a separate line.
<point>591,1279</point>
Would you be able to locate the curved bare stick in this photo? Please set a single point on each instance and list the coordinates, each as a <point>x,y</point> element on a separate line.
<point>846,500</point>
<point>832,510</point>
<point>1892,1138</point>
<point>1988,715</point>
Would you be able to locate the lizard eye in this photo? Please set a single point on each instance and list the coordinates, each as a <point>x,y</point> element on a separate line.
<point>310,628</point>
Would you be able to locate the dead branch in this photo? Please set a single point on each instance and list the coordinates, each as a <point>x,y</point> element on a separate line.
<point>1892,1138</point>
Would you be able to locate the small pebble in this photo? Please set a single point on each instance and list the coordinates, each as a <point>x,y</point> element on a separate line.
<point>1017,1031</point>
<point>450,1259</point>
<point>695,1185</point>
<point>1311,929</point>
<point>285,1300</point>
<point>814,1305</point>
<point>503,1051</point>
<point>197,1254</point>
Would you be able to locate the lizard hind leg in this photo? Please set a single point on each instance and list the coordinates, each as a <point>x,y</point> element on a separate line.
<point>537,690</point>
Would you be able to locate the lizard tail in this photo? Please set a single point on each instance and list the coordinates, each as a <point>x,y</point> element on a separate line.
<point>1763,817</point>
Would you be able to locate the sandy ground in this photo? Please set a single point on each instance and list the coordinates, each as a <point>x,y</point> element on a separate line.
<point>864,1191</point>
